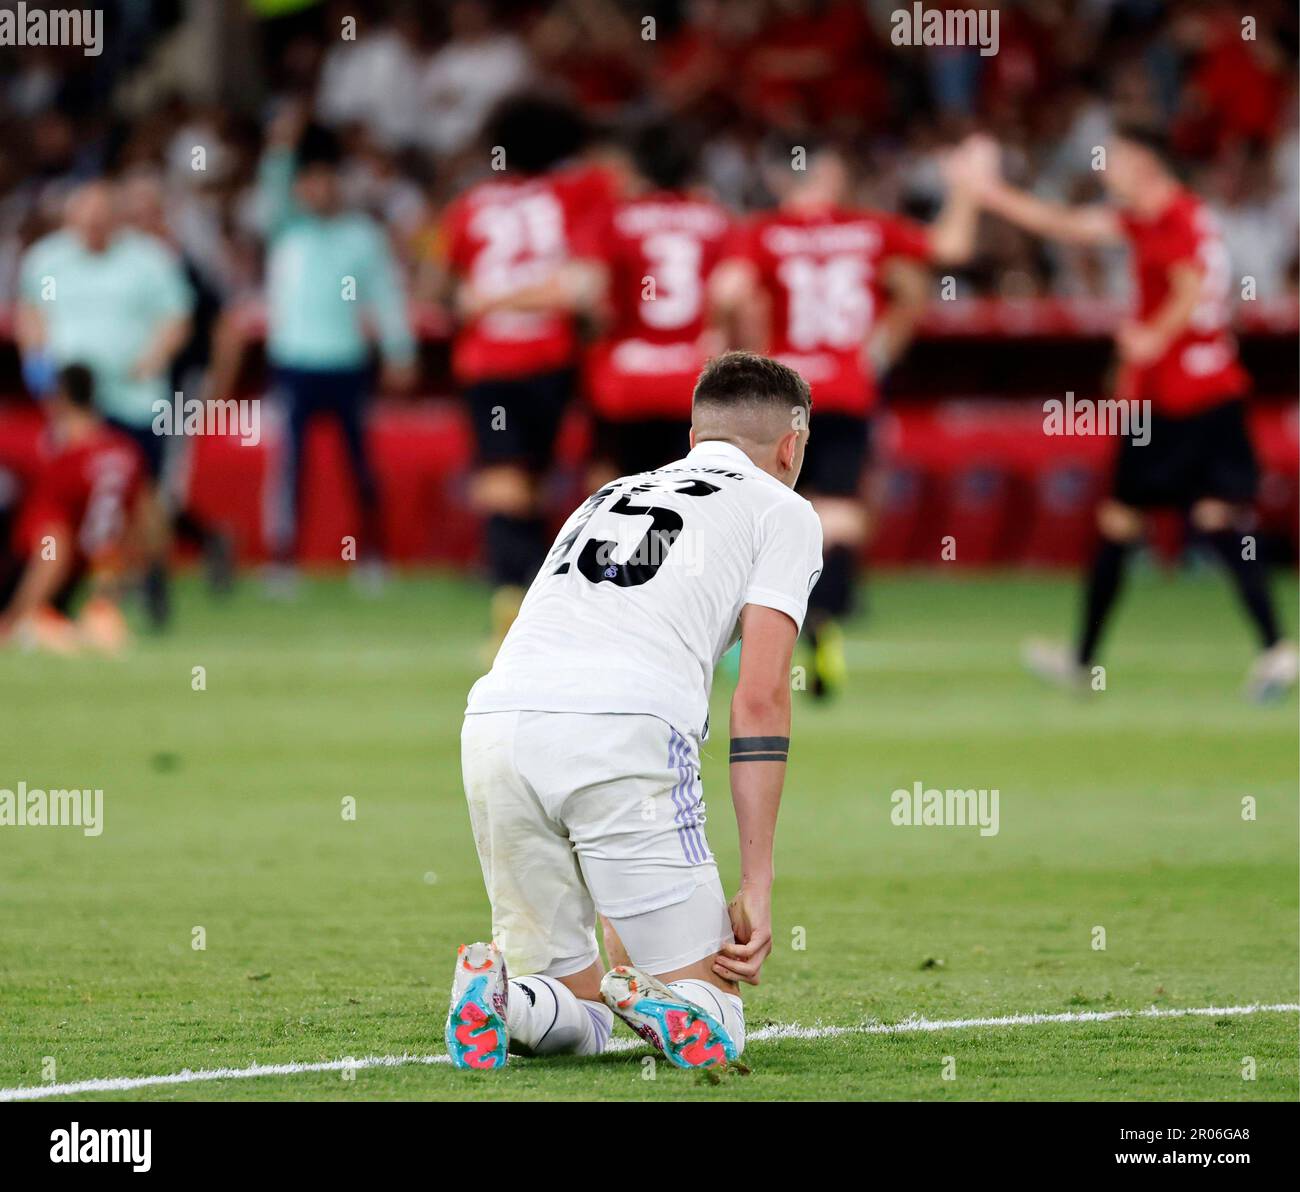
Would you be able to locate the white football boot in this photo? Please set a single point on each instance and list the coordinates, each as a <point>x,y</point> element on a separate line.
<point>1054,663</point>
<point>476,1023</point>
<point>688,1036</point>
<point>1273,673</point>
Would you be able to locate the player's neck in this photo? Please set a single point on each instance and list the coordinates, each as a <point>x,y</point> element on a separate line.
<point>758,458</point>
<point>1156,198</point>
<point>810,203</point>
<point>95,242</point>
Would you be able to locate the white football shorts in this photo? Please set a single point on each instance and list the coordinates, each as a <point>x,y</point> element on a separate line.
<point>575,813</point>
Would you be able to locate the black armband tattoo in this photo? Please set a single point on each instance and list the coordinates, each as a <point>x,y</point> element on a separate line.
<point>760,749</point>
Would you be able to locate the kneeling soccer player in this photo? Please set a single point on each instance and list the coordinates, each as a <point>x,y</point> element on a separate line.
<point>580,750</point>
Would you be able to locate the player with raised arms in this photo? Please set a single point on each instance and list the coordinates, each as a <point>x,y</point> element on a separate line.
<point>835,291</point>
<point>1178,353</point>
<point>512,277</point>
<point>580,749</point>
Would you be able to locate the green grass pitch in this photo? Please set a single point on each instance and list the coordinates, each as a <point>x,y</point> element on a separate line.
<point>330,938</point>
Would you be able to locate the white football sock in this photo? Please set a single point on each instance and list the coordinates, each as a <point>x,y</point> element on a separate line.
<point>726,1008</point>
<point>544,1017</point>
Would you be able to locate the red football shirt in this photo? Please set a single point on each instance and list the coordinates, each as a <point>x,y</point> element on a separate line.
<point>1199,369</point>
<point>659,250</point>
<point>504,236</point>
<point>90,488</point>
<point>821,274</point>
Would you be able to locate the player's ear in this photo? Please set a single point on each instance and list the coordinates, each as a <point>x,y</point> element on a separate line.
<point>692,438</point>
<point>786,450</point>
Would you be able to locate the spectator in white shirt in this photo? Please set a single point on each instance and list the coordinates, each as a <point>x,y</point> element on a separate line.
<point>479,65</point>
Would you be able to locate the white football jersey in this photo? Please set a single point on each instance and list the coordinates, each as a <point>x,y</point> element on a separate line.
<point>641,593</point>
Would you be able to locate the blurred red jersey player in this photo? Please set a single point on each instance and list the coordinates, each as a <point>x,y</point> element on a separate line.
<point>509,243</point>
<point>657,247</point>
<point>835,294</point>
<point>76,527</point>
<point>1177,353</point>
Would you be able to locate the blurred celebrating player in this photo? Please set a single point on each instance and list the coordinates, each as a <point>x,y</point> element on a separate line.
<point>1178,354</point>
<point>509,247</point>
<point>658,247</point>
<point>77,527</point>
<point>833,297</point>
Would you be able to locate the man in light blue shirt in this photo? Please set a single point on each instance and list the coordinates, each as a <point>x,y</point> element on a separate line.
<point>115,300</point>
<point>333,291</point>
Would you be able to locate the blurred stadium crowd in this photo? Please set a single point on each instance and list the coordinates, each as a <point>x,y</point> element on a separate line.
<point>410,94</point>
<point>258,151</point>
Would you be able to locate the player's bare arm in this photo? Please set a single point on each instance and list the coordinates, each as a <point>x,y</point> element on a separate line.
<point>952,235</point>
<point>230,341</point>
<point>952,242</point>
<point>760,744</point>
<point>42,579</point>
<point>574,286</point>
<point>1142,342</point>
<point>734,303</point>
<point>907,284</point>
<point>1095,224</point>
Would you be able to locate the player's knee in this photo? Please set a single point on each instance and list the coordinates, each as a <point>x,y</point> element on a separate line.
<point>1118,523</point>
<point>615,952</point>
<point>503,490</point>
<point>1210,515</point>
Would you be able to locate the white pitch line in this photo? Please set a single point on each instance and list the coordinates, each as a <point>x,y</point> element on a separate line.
<point>776,1033</point>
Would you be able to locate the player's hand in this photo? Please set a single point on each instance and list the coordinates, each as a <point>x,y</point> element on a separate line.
<point>974,165</point>
<point>471,302</point>
<point>751,923</point>
<point>1138,343</point>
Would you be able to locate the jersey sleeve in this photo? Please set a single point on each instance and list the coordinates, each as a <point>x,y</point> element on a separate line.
<point>905,238</point>
<point>789,559</point>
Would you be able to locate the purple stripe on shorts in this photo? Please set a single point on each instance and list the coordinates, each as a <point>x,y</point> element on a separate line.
<point>677,757</point>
